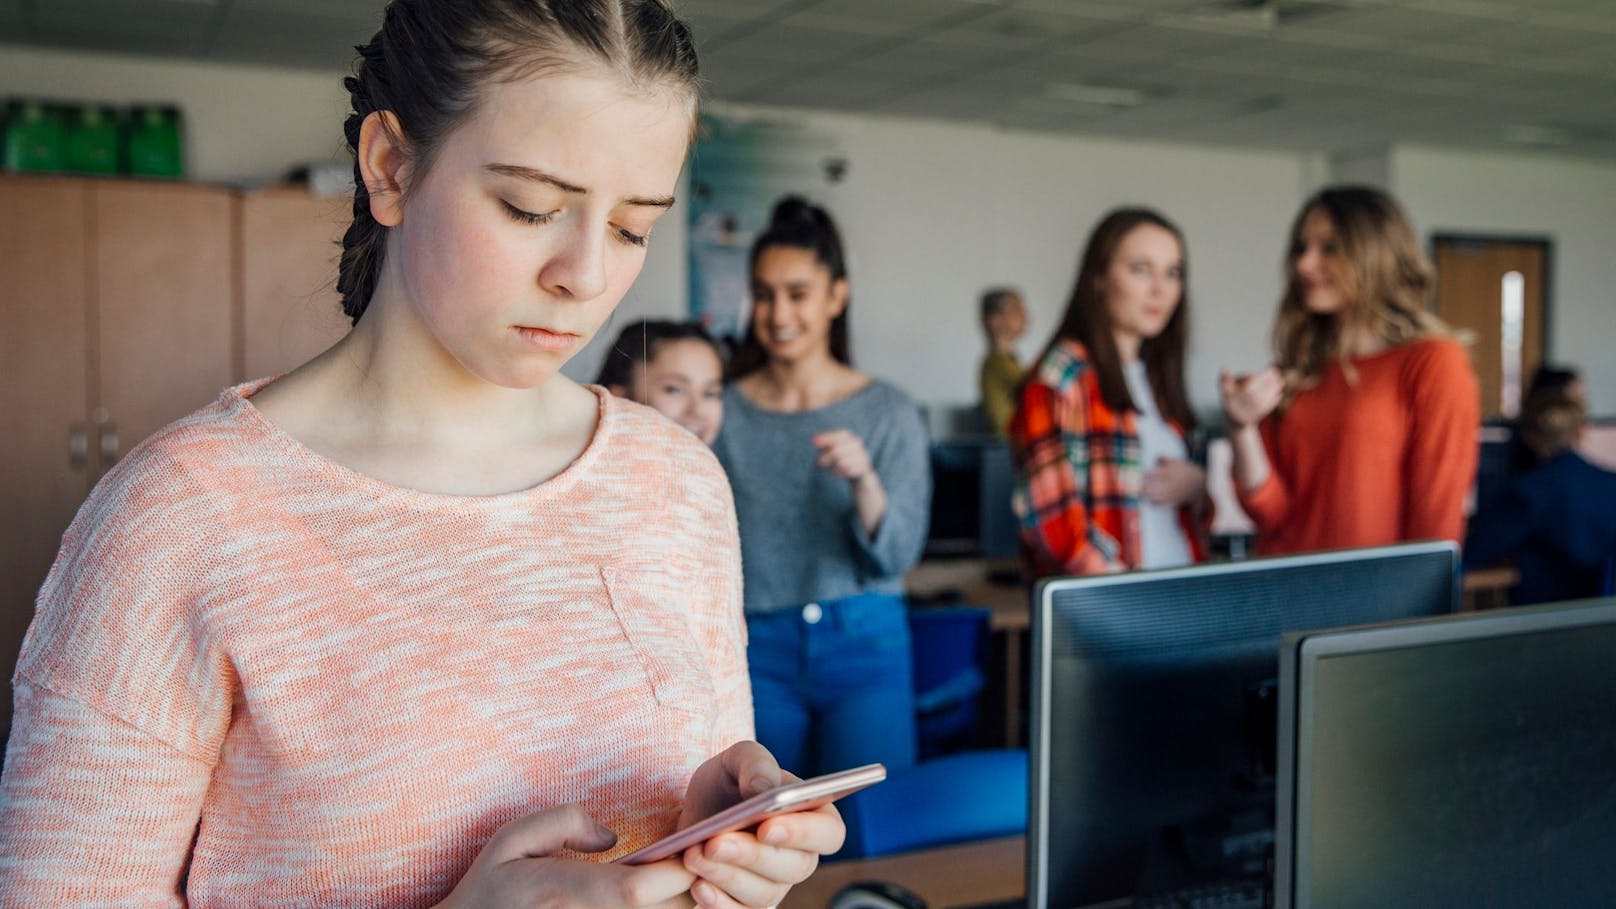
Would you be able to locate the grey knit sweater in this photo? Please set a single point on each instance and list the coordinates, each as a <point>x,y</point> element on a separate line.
<point>801,539</point>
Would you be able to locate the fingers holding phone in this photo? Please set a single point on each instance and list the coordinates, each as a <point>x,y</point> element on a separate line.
<point>518,867</point>
<point>755,869</point>
<point>745,870</point>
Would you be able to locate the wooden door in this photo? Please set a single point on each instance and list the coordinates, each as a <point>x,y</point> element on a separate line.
<point>290,244</point>
<point>45,396</point>
<point>162,301</point>
<point>1473,289</point>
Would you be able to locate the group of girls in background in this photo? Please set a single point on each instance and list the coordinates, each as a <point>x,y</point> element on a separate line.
<point>1363,432</point>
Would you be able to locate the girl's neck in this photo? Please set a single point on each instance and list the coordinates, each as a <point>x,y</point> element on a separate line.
<point>811,382</point>
<point>1358,341</point>
<point>403,384</point>
<point>1128,345</point>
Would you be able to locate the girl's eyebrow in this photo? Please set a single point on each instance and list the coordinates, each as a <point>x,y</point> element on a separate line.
<point>539,176</point>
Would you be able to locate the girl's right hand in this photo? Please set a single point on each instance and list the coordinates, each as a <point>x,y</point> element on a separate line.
<point>1247,399</point>
<point>518,868</point>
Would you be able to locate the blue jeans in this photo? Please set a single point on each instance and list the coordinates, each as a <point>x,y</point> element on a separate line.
<point>833,684</point>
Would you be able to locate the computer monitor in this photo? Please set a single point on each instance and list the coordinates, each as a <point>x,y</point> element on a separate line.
<point>972,479</point>
<point>1465,762</point>
<point>1153,706</point>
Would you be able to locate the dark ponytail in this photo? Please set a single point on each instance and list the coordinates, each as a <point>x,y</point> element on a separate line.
<point>430,60</point>
<point>799,224</point>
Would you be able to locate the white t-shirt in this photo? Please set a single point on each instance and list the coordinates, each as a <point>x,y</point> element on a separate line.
<point>1162,543</point>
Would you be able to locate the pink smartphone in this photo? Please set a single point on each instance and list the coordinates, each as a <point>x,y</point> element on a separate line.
<point>804,795</point>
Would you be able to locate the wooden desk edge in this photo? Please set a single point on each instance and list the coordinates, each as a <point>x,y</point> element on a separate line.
<point>960,875</point>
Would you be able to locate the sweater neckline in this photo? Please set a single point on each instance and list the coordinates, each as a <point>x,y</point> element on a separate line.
<point>755,407</point>
<point>237,404</point>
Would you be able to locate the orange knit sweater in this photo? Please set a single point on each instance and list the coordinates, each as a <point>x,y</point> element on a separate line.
<point>257,678</point>
<point>1388,459</point>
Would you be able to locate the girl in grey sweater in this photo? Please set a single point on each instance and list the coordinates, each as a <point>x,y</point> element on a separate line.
<point>832,484</point>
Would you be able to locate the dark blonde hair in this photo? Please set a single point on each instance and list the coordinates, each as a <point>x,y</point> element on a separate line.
<point>1390,287</point>
<point>432,58</point>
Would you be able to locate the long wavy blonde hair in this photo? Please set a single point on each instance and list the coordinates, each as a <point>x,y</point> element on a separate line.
<point>1390,287</point>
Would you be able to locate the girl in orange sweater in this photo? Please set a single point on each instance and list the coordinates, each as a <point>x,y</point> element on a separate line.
<point>422,622</point>
<point>1365,431</point>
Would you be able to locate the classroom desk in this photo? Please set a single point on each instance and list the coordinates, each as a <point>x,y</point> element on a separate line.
<point>965,875</point>
<point>1488,588</point>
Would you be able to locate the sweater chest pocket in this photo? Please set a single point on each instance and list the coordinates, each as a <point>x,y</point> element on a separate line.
<point>659,617</point>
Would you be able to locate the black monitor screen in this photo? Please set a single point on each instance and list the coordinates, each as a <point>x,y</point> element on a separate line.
<point>1462,763</point>
<point>1154,710</point>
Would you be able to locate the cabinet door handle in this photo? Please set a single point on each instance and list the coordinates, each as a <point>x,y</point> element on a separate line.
<point>109,445</point>
<point>78,446</point>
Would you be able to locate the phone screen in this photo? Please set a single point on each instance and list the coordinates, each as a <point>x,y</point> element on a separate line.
<point>803,795</point>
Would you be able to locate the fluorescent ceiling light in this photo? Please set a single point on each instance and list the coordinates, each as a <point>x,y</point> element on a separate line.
<point>1106,95</point>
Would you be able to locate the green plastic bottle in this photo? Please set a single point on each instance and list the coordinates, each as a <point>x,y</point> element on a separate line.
<point>155,147</point>
<point>92,139</point>
<point>33,137</point>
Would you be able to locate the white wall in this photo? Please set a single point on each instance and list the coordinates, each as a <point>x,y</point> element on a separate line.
<point>934,212</point>
<point>1573,203</point>
<point>244,123</point>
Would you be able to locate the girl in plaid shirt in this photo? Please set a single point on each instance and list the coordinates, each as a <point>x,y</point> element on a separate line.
<point>1104,481</point>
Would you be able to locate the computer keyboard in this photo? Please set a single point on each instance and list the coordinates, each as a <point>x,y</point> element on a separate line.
<point>1235,893</point>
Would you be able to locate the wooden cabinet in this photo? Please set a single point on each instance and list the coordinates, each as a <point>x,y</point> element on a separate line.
<point>44,399</point>
<point>160,306</point>
<point>127,305</point>
<point>291,242</point>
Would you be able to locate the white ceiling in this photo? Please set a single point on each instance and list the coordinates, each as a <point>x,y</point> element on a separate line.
<point>1329,75</point>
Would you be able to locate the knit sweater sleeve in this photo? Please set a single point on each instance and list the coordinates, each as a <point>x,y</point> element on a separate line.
<point>93,811</point>
<point>1270,502</point>
<point>902,459</point>
<point>119,710</point>
<point>1441,461</point>
<point>731,684</point>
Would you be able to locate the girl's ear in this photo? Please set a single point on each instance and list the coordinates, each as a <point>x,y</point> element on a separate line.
<point>383,165</point>
<point>619,391</point>
<point>838,297</point>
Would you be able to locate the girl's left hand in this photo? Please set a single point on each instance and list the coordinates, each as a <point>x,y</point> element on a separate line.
<point>1174,483</point>
<point>842,452</point>
<point>752,869</point>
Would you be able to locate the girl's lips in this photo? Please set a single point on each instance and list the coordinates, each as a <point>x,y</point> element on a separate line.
<point>545,339</point>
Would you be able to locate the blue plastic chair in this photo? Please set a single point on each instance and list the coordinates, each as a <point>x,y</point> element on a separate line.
<point>973,795</point>
<point>950,651</point>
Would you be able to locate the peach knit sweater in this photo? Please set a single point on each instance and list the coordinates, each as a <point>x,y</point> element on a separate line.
<point>257,678</point>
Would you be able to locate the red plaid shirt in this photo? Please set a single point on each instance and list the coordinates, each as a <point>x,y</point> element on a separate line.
<point>1078,474</point>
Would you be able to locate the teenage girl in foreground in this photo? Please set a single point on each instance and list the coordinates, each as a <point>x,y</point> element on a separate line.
<point>422,622</point>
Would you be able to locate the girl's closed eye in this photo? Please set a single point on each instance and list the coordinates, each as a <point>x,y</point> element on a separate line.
<point>526,217</point>
<point>632,238</point>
